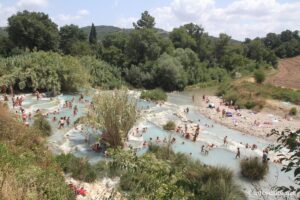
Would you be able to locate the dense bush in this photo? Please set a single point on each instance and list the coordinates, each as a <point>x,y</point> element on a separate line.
<point>42,124</point>
<point>169,126</point>
<point>45,71</point>
<point>154,95</point>
<point>79,168</point>
<point>102,74</point>
<point>172,176</point>
<point>259,76</point>
<point>253,168</point>
<point>293,111</point>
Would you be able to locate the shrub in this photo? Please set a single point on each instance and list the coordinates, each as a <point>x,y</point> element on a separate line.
<point>174,175</point>
<point>253,168</point>
<point>169,126</point>
<point>42,124</point>
<point>79,168</point>
<point>293,111</point>
<point>154,95</point>
<point>259,76</point>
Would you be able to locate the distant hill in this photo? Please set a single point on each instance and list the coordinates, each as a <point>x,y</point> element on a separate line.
<point>102,30</point>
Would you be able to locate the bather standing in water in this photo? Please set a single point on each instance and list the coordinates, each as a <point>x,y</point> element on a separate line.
<point>238,153</point>
<point>196,133</point>
<point>68,121</point>
<point>225,140</point>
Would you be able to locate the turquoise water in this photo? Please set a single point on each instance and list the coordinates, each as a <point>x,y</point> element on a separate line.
<point>70,140</point>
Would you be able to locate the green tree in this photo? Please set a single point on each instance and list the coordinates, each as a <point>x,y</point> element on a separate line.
<point>102,74</point>
<point>221,46</point>
<point>189,61</point>
<point>182,39</point>
<point>81,49</point>
<point>114,46</point>
<point>170,74</point>
<point>93,35</point>
<point>69,35</point>
<point>143,45</point>
<point>146,21</point>
<point>33,30</point>
<point>6,46</point>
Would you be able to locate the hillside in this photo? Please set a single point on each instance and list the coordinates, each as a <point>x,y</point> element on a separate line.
<point>288,75</point>
<point>102,30</point>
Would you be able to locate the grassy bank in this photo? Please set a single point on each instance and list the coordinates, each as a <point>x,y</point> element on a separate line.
<point>252,95</point>
<point>28,170</point>
<point>154,95</point>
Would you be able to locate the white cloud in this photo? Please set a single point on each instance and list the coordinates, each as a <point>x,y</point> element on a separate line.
<point>240,19</point>
<point>83,12</point>
<point>64,19</point>
<point>32,4</point>
<point>126,22</point>
<point>7,11</point>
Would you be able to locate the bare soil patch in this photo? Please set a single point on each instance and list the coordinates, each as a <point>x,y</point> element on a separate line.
<point>288,75</point>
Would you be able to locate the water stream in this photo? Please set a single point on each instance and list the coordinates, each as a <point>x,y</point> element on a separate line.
<point>153,116</point>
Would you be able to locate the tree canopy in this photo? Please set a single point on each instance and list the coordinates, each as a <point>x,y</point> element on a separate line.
<point>146,21</point>
<point>93,35</point>
<point>33,30</point>
<point>70,36</point>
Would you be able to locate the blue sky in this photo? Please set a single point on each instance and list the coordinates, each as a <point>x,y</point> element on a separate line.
<point>238,18</point>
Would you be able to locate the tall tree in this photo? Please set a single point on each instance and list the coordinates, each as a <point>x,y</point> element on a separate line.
<point>221,46</point>
<point>146,21</point>
<point>33,30</point>
<point>143,45</point>
<point>69,36</point>
<point>93,35</point>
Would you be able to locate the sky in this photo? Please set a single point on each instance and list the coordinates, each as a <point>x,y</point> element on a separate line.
<point>238,18</point>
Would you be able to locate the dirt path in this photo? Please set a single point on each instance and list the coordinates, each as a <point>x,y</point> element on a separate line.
<point>288,75</point>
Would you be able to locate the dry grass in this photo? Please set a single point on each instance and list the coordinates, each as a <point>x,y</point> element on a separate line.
<point>27,169</point>
<point>288,75</point>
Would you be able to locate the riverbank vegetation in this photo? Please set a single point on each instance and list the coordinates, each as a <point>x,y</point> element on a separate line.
<point>252,95</point>
<point>28,169</point>
<point>253,169</point>
<point>154,95</point>
<point>169,126</point>
<point>78,168</point>
<point>172,176</point>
